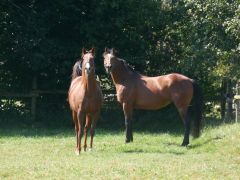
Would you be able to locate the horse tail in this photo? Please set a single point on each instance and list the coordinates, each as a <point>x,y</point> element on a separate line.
<point>77,69</point>
<point>198,108</point>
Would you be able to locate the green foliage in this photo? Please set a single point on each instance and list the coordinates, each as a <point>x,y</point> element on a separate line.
<point>197,38</point>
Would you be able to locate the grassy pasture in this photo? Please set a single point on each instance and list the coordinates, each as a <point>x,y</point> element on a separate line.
<point>38,153</point>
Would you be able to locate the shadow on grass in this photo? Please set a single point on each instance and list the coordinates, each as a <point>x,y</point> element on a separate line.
<point>46,132</point>
<point>179,151</point>
<point>200,144</point>
<point>165,120</point>
<point>35,132</point>
<point>172,148</point>
<point>205,142</point>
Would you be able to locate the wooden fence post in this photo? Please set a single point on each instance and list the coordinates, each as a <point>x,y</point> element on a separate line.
<point>223,98</point>
<point>34,99</point>
<point>237,100</point>
<point>229,101</point>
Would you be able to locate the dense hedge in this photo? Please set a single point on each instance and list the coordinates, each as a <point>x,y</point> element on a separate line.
<point>43,38</point>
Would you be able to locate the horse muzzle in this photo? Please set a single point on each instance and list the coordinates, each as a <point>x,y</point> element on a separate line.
<point>88,71</point>
<point>108,69</point>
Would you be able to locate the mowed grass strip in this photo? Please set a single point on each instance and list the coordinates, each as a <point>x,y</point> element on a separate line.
<point>49,154</point>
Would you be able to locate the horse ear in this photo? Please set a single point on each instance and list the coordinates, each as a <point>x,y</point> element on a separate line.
<point>83,51</point>
<point>92,50</point>
<point>106,50</point>
<point>114,51</point>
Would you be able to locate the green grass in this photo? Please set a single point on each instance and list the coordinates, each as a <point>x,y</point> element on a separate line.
<point>49,154</point>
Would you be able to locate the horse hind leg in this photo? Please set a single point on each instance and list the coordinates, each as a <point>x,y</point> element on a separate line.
<point>86,128</point>
<point>183,111</point>
<point>93,126</point>
<point>92,132</point>
<point>187,130</point>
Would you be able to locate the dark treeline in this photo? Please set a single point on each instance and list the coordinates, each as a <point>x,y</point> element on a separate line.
<point>42,39</point>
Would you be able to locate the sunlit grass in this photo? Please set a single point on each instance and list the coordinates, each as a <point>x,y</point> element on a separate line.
<point>49,154</point>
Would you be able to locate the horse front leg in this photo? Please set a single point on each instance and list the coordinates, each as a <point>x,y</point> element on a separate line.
<point>80,118</point>
<point>127,109</point>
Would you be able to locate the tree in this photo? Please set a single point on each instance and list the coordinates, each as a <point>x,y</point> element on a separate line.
<point>43,38</point>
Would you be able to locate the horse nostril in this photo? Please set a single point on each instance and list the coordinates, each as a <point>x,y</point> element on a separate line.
<point>108,68</point>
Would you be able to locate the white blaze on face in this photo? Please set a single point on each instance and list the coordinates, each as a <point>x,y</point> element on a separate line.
<point>108,62</point>
<point>109,58</point>
<point>87,66</point>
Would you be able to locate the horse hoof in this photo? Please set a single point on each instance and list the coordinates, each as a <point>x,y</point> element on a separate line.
<point>77,152</point>
<point>127,141</point>
<point>185,144</point>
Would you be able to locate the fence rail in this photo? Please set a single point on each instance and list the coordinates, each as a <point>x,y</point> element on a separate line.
<point>109,96</point>
<point>34,94</point>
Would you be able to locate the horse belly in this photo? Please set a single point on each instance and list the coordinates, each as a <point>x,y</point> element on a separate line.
<point>74,102</point>
<point>151,103</point>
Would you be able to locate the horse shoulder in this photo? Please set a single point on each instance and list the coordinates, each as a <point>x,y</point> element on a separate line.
<point>120,90</point>
<point>125,92</point>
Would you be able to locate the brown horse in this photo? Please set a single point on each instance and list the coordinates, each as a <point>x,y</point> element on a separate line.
<point>135,91</point>
<point>85,98</point>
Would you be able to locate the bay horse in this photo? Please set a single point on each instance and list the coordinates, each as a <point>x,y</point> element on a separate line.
<point>136,91</point>
<point>85,98</point>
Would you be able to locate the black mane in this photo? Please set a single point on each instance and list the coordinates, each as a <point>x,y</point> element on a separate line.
<point>129,67</point>
<point>77,69</point>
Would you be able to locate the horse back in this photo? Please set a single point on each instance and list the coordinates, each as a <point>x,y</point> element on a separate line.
<point>157,92</point>
<point>180,86</point>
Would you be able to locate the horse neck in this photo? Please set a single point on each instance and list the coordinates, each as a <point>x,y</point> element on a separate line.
<point>119,74</point>
<point>89,84</point>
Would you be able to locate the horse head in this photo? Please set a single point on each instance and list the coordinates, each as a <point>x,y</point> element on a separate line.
<point>88,67</point>
<point>110,59</point>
